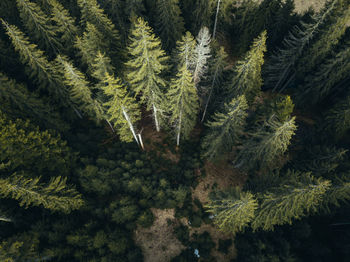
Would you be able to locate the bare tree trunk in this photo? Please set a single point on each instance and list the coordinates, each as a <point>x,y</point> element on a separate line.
<point>211,92</point>
<point>156,118</point>
<point>130,125</point>
<point>141,142</point>
<point>5,219</point>
<point>110,125</point>
<point>216,18</point>
<point>179,132</point>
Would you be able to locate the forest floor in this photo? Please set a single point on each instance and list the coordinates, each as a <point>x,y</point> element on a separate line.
<point>302,6</point>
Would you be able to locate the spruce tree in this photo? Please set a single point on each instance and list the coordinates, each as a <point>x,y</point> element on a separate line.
<point>329,38</point>
<point>202,53</point>
<point>269,142</point>
<point>202,14</point>
<point>56,195</point>
<point>90,44</point>
<point>183,103</point>
<point>281,70</point>
<point>169,23</point>
<point>338,118</point>
<point>101,66</point>
<point>338,193</point>
<point>66,27</point>
<point>233,211</point>
<point>247,79</point>
<point>295,199</point>
<point>92,13</point>
<point>225,128</point>
<point>17,102</point>
<point>80,92</point>
<point>216,69</point>
<point>145,68</point>
<point>123,111</point>
<point>38,25</point>
<point>38,67</point>
<point>185,51</point>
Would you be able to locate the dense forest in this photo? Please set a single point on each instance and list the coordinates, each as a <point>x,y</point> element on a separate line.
<point>174,130</point>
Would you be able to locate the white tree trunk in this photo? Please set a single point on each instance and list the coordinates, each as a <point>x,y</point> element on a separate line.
<point>179,131</point>
<point>156,118</point>
<point>110,125</point>
<point>130,125</point>
<point>211,92</point>
<point>216,18</point>
<point>141,142</point>
<point>5,219</point>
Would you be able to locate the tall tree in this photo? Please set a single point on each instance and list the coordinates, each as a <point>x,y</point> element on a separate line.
<point>247,79</point>
<point>183,103</point>
<point>216,69</point>
<point>17,102</point>
<point>38,25</point>
<point>185,51</point>
<point>79,90</point>
<point>338,118</point>
<point>169,23</point>
<point>202,53</point>
<point>66,27</point>
<point>123,111</point>
<point>281,69</point>
<point>292,200</point>
<point>38,67</point>
<point>56,195</point>
<point>225,128</point>
<point>234,210</point>
<point>145,68</point>
<point>270,141</point>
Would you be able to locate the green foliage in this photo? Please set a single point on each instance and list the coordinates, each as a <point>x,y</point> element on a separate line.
<point>293,200</point>
<point>55,196</point>
<point>79,90</point>
<point>31,150</point>
<point>233,211</point>
<point>267,144</point>
<point>38,66</point>
<point>170,24</point>
<point>145,68</point>
<point>38,25</point>
<point>183,103</point>
<point>338,118</point>
<point>226,128</point>
<point>247,79</point>
<point>123,110</point>
<point>185,51</point>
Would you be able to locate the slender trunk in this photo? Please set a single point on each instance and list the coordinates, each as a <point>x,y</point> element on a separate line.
<point>130,125</point>
<point>216,18</point>
<point>211,92</point>
<point>77,112</point>
<point>110,125</point>
<point>5,219</point>
<point>179,132</point>
<point>141,142</point>
<point>156,118</point>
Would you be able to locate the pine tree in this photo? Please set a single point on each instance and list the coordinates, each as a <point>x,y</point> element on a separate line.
<point>338,193</point>
<point>185,51</point>
<point>79,91</point>
<point>338,118</point>
<point>24,147</point>
<point>233,211</point>
<point>55,196</point>
<point>101,66</point>
<point>38,66</point>
<point>225,128</point>
<point>38,25</point>
<point>169,23</point>
<point>247,79</point>
<point>90,44</point>
<point>202,54</point>
<point>17,102</point>
<point>281,69</point>
<point>183,103</point>
<point>92,13</point>
<point>65,23</point>
<point>329,38</point>
<point>330,76</point>
<point>292,200</point>
<point>145,68</point>
<point>270,141</point>
<point>123,110</point>
<point>217,66</point>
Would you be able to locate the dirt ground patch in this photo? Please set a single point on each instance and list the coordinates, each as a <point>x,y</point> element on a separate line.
<point>158,243</point>
<point>301,6</point>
